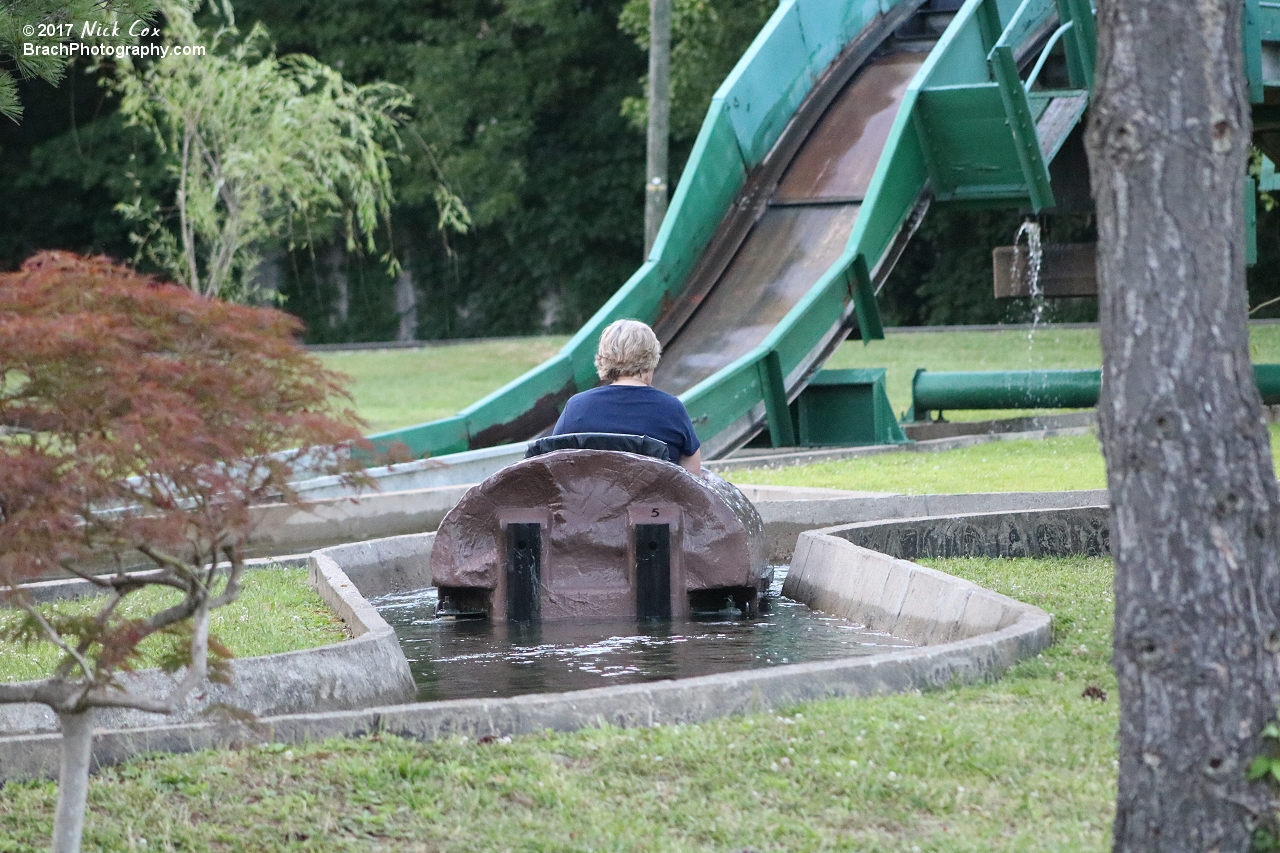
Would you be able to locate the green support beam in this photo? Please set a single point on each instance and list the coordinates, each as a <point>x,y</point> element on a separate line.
<point>846,408</point>
<point>1253,50</point>
<point>988,18</point>
<point>1004,68</point>
<point>864,300</point>
<point>777,413</point>
<point>1081,41</point>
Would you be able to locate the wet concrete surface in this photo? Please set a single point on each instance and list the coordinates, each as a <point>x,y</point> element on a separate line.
<point>786,253</point>
<point>841,153</point>
<point>799,235</point>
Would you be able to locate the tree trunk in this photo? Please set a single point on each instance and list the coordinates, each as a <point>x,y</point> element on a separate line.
<point>73,780</point>
<point>406,297</point>
<point>1193,493</point>
<point>655,190</point>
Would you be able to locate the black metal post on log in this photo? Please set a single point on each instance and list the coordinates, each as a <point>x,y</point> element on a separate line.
<point>524,572</point>
<point>653,571</point>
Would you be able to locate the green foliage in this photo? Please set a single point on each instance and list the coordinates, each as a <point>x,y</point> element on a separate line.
<point>516,112</point>
<point>708,37</point>
<point>47,23</point>
<point>261,147</point>
<point>1266,838</point>
<point>66,166</point>
<point>1267,765</point>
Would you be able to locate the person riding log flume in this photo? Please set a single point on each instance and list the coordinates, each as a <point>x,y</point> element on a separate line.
<point>629,404</point>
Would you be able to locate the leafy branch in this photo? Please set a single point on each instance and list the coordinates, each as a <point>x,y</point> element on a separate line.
<point>262,148</point>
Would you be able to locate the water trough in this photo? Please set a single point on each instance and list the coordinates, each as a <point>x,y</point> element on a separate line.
<point>965,633</point>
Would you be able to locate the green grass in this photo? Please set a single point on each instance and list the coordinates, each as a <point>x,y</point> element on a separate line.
<point>396,387</point>
<point>401,387</point>
<point>1024,764</point>
<point>277,611</point>
<point>1051,464</point>
<point>1024,465</point>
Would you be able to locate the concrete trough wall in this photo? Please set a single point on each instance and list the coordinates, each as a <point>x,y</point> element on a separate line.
<point>282,529</point>
<point>369,669</point>
<point>383,566</point>
<point>1082,531</point>
<point>786,519</point>
<point>887,594</point>
<point>786,511</point>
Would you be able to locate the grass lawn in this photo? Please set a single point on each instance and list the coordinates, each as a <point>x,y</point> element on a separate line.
<point>397,387</point>
<point>277,611</point>
<point>1025,465</point>
<point>1022,764</point>
<point>1051,464</point>
<point>401,387</point>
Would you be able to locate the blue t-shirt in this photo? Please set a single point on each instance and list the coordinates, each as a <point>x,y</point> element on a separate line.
<point>632,410</point>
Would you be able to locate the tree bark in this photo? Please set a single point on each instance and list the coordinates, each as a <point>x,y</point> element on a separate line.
<point>73,780</point>
<point>1193,492</point>
<point>655,189</point>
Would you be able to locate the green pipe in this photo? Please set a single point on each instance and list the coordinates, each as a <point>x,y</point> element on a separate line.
<point>1268,378</point>
<point>1034,389</point>
<point>1005,389</point>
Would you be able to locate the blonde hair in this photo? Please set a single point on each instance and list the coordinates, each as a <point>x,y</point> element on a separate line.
<point>627,348</point>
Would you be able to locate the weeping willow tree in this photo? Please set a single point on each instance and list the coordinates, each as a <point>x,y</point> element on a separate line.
<point>264,150</point>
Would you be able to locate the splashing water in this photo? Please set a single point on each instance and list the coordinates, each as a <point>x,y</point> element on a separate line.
<point>473,659</point>
<point>1035,255</point>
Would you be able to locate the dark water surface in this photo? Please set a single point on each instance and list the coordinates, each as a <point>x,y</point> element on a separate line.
<point>472,659</point>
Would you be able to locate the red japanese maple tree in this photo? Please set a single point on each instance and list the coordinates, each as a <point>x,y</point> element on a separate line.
<point>139,422</point>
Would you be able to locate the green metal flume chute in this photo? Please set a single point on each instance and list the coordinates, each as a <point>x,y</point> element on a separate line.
<point>780,232</point>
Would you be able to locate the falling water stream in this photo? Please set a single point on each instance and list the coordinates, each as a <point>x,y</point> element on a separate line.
<point>1030,228</point>
<point>458,659</point>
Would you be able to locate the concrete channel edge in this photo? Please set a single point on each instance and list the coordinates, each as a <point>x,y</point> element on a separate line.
<point>985,634</point>
<point>368,669</point>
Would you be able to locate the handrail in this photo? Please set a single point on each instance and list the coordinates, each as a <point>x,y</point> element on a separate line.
<point>1027,19</point>
<point>1044,54</point>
